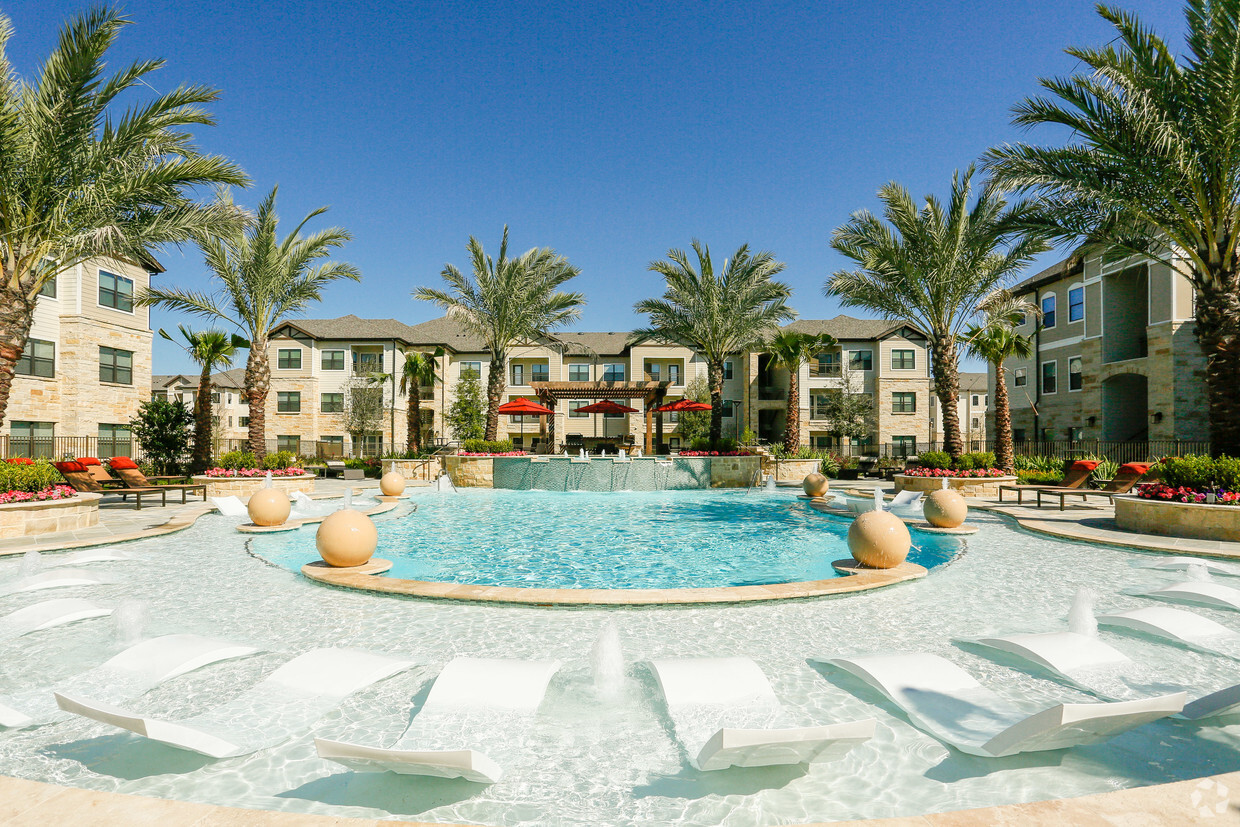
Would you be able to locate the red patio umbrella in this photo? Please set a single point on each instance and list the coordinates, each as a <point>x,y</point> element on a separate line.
<point>524,407</point>
<point>683,405</point>
<point>606,407</point>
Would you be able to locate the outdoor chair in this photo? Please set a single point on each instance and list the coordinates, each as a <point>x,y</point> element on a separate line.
<point>1076,474</point>
<point>98,473</point>
<point>333,468</point>
<point>134,479</point>
<point>1125,479</point>
<point>75,475</point>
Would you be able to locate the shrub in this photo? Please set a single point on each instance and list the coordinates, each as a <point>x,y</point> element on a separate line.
<point>484,446</point>
<point>279,461</point>
<point>1199,472</point>
<point>935,459</point>
<point>1039,463</point>
<point>32,477</point>
<point>831,466</point>
<point>699,443</point>
<point>238,460</point>
<point>978,460</point>
<point>1033,477</point>
<point>162,428</point>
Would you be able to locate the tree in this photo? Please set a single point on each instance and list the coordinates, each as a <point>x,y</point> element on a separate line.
<point>1152,167</point>
<point>418,371</point>
<point>790,350</point>
<point>363,409</point>
<point>931,266</point>
<point>996,341</point>
<point>694,424</point>
<point>263,280</point>
<point>847,413</point>
<point>80,179</point>
<point>716,315</point>
<point>162,429</point>
<point>465,415</point>
<point>507,300</point>
<point>211,350</point>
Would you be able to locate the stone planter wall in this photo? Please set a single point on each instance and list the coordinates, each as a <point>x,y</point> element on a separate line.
<point>1167,519</point>
<point>415,469</point>
<point>967,486</point>
<point>49,516</point>
<point>471,472</point>
<point>243,487</point>
<point>733,472</point>
<point>793,470</point>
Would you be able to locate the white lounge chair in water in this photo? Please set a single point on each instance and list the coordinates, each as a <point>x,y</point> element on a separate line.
<point>95,555</point>
<point>904,499</point>
<point>132,673</point>
<point>59,579</point>
<point>286,704</point>
<point>1183,563</point>
<point>470,701</point>
<point>945,701</point>
<point>231,506</point>
<point>47,615</point>
<point>726,715</point>
<point>1177,626</point>
<point>1198,592</point>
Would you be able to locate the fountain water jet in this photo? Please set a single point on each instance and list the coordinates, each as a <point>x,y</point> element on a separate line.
<point>1197,572</point>
<point>770,482</point>
<point>1081,618</point>
<point>607,663</point>
<point>130,618</point>
<point>32,563</point>
<point>267,481</point>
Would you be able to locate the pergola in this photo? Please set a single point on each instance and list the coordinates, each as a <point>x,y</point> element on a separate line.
<point>651,394</point>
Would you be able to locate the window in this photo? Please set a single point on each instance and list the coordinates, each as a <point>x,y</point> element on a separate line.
<point>38,359</point>
<point>1076,304</point>
<point>729,408</point>
<point>1048,434</point>
<point>289,442</point>
<point>652,368</point>
<point>159,394</point>
<point>115,292</point>
<point>331,446</point>
<point>1074,373</point>
<point>828,365</point>
<point>518,374</point>
<point>818,405</point>
<point>288,401</point>
<point>673,444</point>
<point>471,367</point>
<point>727,370</point>
<point>903,360</point>
<point>115,366</point>
<point>365,364</point>
<point>861,360</point>
<point>822,441</point>
<point>1020,377</point>
<point>215,397</point>
<point>1018,434</point>
<point>114,441</point>
<point>1049,372</point>
<point>289,359</point>
<point>539,373</point>
<point>331,402</point>
<point>977,423</point>
<point>31,439</point>
<point>1076,434</point>
<point>976,399</point>
<point>243,422</point>
<point>574,405</point>
<point>49,288</point>
<point>579,372</point>
<point>614,415</point>
<point>371,445</point>
<point>613,372</point>
<point>1048,311</point>
<point>903,446</point>
<point>673,374</point>
<point>332,360</point>
<point>904,402</point>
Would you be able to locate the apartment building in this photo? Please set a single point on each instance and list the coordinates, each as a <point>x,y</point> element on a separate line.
<point>230,411</point>
<point>1115,355</point>
<point>87,364</point>
<point>972,408</point>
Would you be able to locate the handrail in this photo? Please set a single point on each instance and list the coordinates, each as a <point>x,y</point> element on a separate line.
<point>753,481</point>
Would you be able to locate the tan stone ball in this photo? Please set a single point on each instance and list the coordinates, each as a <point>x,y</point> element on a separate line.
<point>815,484</point>
<point>945,508</point>
<point>392,484</point>
<point>268,506</point>
<point>879,539</point>
<point>346,538</point>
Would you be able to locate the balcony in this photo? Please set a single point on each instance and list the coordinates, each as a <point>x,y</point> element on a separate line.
<point>769,393</point>
<point>821,371</point>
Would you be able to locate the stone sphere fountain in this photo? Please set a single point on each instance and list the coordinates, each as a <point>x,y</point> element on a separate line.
<point>346,538</point>
<point>269,507</point>
<point>879,540</point>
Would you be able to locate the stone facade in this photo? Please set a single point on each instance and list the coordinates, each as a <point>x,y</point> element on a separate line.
<point>49,516</point>
<point>967,486</point>
<point>471,472</point>
<point>1167,519</point>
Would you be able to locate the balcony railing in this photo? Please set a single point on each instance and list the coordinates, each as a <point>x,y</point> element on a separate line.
<point>820,371</point>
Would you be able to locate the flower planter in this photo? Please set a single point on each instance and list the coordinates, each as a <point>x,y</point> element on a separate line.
<point>967,486</point>
<point>27,519</point>
<point>470,472</point>
<point>243,487</point>
<point>1171,519</point>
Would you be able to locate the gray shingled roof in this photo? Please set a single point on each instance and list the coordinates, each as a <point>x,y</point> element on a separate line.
<point>353,327</point>
<point>972,381</point>
<point>847,327</point>
<point>234,378</point>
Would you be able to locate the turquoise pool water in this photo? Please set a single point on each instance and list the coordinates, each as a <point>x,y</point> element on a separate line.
<point>613,540</point>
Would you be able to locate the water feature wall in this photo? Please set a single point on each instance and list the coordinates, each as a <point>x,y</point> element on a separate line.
<point>561,473</point>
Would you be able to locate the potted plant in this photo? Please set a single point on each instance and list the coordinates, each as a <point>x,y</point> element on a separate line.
<point>850,468</point>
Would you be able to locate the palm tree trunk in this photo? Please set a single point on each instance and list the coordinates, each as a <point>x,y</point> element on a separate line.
<point>413,425</point>
<point>947,387</point>
<point>792,418</point>
<point>257,385</point>
<point>495,393</point>
<point>1218,332</point>
<point>16,316</point>
<point>715,375</point>
<point>202,423</point>
<point>1004,452</point>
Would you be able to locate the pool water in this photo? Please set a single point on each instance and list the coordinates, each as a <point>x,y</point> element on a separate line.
<point>623,540</point>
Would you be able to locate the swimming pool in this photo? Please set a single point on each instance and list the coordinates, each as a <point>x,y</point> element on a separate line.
<point>623,540</point>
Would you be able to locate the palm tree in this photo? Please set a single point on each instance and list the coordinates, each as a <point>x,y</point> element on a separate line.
<point>790,350</point>
<point>1152,168</point>
<point>263,280</point>
<point>80,179</point>
<point>931,266</point>
<point>507,300</point>
<point>716,315</point>
<point>417,372</point>
<point>211,350</point>
<point>996,341</point>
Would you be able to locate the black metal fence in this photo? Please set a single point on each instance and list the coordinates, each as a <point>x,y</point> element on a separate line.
<point>1144,451</point>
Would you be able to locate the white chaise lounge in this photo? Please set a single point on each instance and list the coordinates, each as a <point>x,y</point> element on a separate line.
<point>94,555</point>
<point>1178,626</point>
<point>1183,563</point>
<point>230,506</point>
<point>1198,592</point>
<point>47,615</point>
<point>471,700</point>
<point>286,704</point>
<point>726,715</point>
<point>945,701</point>
<point>905,500</point>
<point>59,579</point>
<point>132,673</point>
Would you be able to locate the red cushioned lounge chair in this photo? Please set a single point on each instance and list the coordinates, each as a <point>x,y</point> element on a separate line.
<point>1076,474</point>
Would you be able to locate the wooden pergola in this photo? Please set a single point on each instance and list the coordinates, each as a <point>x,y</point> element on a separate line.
<point>652,395</point>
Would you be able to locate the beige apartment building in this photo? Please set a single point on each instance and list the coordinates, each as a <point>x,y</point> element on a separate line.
<point>87,364</point>
<point>1115,356</point>
<point>230,412</point>
<point>972,408</point>
<point>318,363</point>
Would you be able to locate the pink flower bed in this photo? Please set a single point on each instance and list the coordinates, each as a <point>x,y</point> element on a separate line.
<point>947,472</point>
<point>52,492</point>
<point>488,454</point>
<point>715,454</point>
<point>1160,491</point>
<point>254,472</point>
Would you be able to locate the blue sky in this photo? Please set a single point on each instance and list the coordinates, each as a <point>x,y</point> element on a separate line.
<point>608,131</point>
